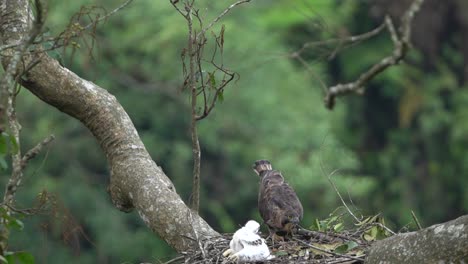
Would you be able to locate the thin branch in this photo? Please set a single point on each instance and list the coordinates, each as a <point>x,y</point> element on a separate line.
<point>416,220</point>
<point>74,28</point>
<point>341,41</point>
<point>174,3</point>
<point>105,17</point>
<point>401,46</point>
<point>195,81</point>
<point>192,40</point>
<point>176,259</point>
<point>11,45</point>
<point>329,252</point>
<point>32,153</point>
<point>339,195</point>
<point>384,227</point>
<point>7,84</point>
<point>203,31</point>
<point>336,188</point>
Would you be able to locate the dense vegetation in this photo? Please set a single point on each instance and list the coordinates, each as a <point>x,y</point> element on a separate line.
<point>398,148</point>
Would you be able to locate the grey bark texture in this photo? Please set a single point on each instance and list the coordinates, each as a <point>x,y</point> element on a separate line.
<point>441,243</point>
<point>135,179</point>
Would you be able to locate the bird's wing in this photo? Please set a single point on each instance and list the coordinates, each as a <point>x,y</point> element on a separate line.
<point>254,248</point>
<point>235,245</point>
<point>280,204</point>
<point>289,201</point>
<point>267,209</point>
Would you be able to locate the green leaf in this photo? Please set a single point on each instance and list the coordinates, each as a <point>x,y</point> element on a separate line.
<point>212,80</point>
<point>281,253</point>
<point>221,96</point>
<point>338,227</point>
<point>3,144</point>
<point>346,247</point>
<point>3,259</point>
<point>14,144</point>
<point>3,211</point>
<point>371,234</point>
<point>15,223</point>
<point>21,257</point>
<point>3,164</point>
<point>315,225</point>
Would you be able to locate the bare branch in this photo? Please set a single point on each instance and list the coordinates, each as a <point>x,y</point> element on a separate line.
<point>221,15</point>
<point>75,30</point>
<point>341,41</point>
<point>105,17</point>
<point>416,220</point>
<point>341,44</point>
<point>339,195</point>
<point>401,46</point>
<point>195,81</point>
<point>32,153</point>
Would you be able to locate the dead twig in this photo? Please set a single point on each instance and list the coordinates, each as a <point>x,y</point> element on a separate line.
<point>339,194</point>
<point>205,80</point>
<point>416,220</point>
<point>341,41</point>
<point>216,20</point>
<point>106,16</point>
<point>330,252</point>
<point>32,153</point>
<point>401,42</point>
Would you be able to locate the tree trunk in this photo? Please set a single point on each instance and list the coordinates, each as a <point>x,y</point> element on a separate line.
<point>135,179</point>
<point>441,243</point>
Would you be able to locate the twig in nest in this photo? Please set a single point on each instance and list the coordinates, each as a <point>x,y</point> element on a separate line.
<point>315,234</point>
<point>328,252</point>
<point>174,260</point>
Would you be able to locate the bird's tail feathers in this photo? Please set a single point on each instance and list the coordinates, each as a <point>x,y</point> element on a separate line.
<point>261,165</point>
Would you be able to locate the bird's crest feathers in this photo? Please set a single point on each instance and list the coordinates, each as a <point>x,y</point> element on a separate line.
<point>262,165</point>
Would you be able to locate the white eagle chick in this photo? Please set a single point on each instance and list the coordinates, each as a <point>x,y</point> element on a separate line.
<point>246,245</point>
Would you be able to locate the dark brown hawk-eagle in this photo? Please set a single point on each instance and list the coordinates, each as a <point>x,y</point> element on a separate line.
<point>278,204</point>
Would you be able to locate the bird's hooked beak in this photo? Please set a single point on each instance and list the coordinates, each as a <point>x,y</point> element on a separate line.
<point>293,219</point>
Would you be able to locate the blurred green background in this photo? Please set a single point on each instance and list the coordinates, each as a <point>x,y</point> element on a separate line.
<point>398,148</point>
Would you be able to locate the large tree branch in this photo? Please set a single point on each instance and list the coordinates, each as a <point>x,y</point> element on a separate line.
<point>136,181</point>
<point>441,243</point>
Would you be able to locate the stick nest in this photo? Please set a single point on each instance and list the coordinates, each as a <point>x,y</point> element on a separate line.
<point>305,247</point>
